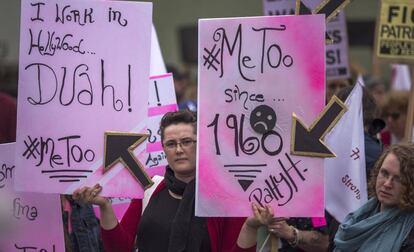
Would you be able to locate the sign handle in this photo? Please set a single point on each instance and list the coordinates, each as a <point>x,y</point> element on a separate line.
<point>274,243</point>
<point>410,110</point>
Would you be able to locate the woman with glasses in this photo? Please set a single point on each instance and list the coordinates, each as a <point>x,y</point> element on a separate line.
<point>386,222</point>
<point>168,222</point>
<point>394,113</point>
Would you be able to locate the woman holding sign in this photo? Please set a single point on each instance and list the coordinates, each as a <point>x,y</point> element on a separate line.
<point>168,222</point>
<point>386,221</point>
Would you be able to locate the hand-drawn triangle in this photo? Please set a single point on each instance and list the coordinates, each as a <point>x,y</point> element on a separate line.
<point>245,184</point>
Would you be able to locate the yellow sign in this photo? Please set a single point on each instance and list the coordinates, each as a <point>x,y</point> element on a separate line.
<point>395,31</point>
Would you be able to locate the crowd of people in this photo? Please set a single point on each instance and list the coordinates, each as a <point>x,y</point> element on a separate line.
<point>168,222</point>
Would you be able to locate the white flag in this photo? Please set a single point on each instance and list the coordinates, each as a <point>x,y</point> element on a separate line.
<point>346,187</point>
<point>157,65</point>
<point>401,79</point>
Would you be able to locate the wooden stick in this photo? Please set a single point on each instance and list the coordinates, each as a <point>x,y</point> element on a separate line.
<point>274,243</point>
<point>408,136</point>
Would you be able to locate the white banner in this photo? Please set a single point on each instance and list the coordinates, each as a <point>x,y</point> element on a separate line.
<point>345,177</point>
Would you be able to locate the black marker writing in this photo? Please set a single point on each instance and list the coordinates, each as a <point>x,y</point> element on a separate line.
<point>154,160</point>
<point>48,45</point>
<point>249,145</point>
<point>38,5</point>
<point>45,150</point>
<point>114,15</point>
<point>282,186</point>
<point>81,17</point>
<point>233,95</point>
<point>6,173</point>
<point>34,249</point>
<point>74,86</point>
<point>21,210</point>
<point>271,54</point>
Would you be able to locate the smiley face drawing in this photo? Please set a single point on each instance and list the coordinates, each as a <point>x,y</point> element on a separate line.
<point>262,119</point>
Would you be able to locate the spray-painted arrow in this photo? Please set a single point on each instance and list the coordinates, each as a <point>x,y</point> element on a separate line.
<point>308,142</point>
<point>119,146</point>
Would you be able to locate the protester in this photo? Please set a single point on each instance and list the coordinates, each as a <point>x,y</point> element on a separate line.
<point>372,145</point>
<point>300,234</point>
<point>334,86</point>
<point>376,88</point>
<point>385,223</point>
<point>185,90</point>
<point>8,114</point>
<point>168,222</point>
<point>295,234</point>
<point>395,114</point>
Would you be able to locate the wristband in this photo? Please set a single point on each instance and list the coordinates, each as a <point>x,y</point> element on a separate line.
<point>295,241</point>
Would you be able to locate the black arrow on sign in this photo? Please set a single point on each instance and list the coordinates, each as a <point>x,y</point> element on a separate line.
<point>330,8</point>
<point>302,9</point>
<point>119,146</point>
<point>308,142</point>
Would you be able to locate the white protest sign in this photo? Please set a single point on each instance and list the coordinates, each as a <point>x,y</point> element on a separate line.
<point>84,68</point>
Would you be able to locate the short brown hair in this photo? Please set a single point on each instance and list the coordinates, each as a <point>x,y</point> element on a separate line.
<point>182,116</point>
<point>405,155</point>
<point>396,100</point>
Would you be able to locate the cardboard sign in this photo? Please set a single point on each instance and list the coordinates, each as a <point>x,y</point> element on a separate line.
<point>337,63</point>
<point>83,70</point>
<point>394,33</point>
<point>254,73</point>
<point>161,100</point>
<point>28,221</point>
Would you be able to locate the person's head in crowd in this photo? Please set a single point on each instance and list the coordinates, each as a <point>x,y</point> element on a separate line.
<point>370,110</point>
<point>376,88</point>
<point>178,138</point>
<point>8,115</point>
<point>188,105</point>
<point>392,180</point>
<point>334,86</point>
<point>394,112</point>
<point>181,82</point>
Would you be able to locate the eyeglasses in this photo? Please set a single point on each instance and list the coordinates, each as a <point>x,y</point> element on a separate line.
<point>384,175</point>
<point>184,144</point>
<point>394,116</point>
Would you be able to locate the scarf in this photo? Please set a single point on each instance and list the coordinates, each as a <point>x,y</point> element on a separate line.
<point>369,229</point>
<point>184,218</point>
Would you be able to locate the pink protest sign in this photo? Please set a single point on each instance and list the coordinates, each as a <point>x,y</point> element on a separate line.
<point>84,68</point>
<point>29,221</point>
<point>337,66</point>
<point>161,100</point>
<point>254,73</point>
